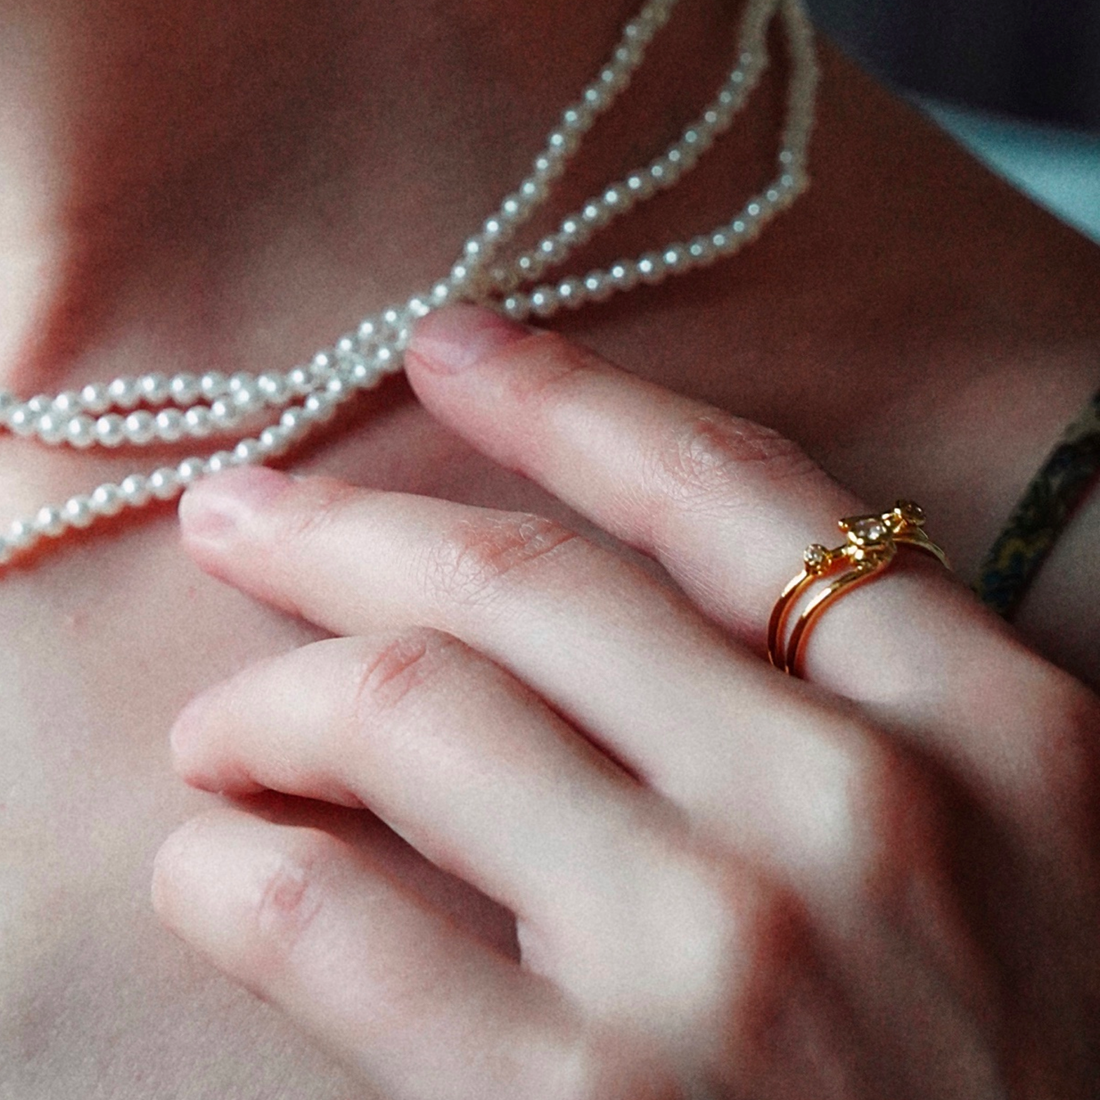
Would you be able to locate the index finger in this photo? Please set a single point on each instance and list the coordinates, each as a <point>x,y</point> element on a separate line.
<point>727,507</point>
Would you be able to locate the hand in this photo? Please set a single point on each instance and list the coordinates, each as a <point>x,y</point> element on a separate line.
<point>725,881</point>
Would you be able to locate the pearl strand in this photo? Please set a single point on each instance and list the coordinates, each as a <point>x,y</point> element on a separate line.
<point>155,408</point>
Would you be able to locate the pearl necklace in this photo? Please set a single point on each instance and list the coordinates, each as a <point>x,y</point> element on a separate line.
<point>154,408</point>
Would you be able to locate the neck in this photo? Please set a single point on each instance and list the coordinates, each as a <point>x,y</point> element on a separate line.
<point>202,193</point>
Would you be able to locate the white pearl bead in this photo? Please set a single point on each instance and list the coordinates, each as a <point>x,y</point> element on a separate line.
<point>123,393</point>
<point>196,422</point>
<point>702,250</point>
<point>651,268</point>
<point>517,307</point>
<point>110,430</point>
<point>78,511</point>
<point>640,184</point>
<point>219,461</point>
<point>21,534</point>
<point>49,521</point>
<point>247,451</point>
<point>364,377</point>
<point>247,398</point>
<point>21,420</point>
<point>274,440</point>
<point>107,499</point>
<point>572,231</point>
<point>571,292</point>
<point>294,421</point>
<point>164,483</point>
<point>542,302</point>
<point>169,425</point>
<point>514,207</point>
<point>190,470</point>
<point>319,407</point>
<point>134,490</point>
<point>273,387</point>
<point>80,431</point>
<point>623,275</point>
<point>154,388</point>
<point>596,97</point>
<point>66,403</point>
<point>595,214</point>
<point>299,380</point>
<point>242,380</point>
<point>50,428</point>
<point>184,388</point>
<point>577,118</point>
<point>140,427</point>
<point>441,293</point>
<point>38,404</point>
<point>564,141</point>
<point>223,414</point>
<point>598,288</point>
<point>675,258</point>
<point>213,384</point>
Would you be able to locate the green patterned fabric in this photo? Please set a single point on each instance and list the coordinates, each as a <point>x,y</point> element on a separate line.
<point>1042,512</point>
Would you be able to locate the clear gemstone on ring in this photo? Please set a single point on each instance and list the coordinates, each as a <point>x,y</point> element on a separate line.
<point>815,557</point>
<point>864,529</point>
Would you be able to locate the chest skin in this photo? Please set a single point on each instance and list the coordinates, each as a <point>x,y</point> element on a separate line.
<point>942,371</point>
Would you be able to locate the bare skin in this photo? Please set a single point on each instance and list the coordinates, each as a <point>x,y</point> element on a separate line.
<point>918,328</point>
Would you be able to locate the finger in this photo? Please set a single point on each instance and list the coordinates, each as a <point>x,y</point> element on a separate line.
<point>417,1007</point>
<point>425,734</point>
<point>456,756</point>
<point>727,507</point>
<point>635,667</point>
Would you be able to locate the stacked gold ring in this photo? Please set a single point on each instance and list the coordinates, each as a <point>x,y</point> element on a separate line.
<point>871,542</point>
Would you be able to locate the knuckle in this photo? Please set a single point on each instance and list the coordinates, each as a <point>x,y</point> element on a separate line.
<point>284,902</point>
<point>898,823</point>
<point>771,923</point>
<point>703,918</point>
<point>385,674</point>
<point>1063,785</point>
<point>789,999</point>
<point>482,557</point>
<point>704,457</point>
<point>248,903</point>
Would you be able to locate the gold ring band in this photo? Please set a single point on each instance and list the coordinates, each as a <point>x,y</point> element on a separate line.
<point>871,542</point>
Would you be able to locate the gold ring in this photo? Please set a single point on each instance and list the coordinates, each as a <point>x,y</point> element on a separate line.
<point>869,546</point>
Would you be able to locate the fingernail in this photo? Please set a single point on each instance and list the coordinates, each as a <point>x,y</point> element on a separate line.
<point>455,338</point>
<point>212,509</point>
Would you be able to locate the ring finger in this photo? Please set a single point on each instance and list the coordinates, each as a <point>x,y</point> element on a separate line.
<point>727,507</point>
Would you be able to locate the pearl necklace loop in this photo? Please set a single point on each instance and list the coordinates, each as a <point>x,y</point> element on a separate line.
<point>154,408</point>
